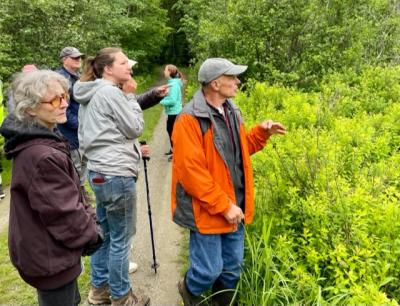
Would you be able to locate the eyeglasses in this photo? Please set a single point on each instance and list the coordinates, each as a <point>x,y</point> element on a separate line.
<point>56,102</point>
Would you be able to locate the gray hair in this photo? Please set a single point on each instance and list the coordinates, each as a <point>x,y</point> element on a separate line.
<point>28,90</point>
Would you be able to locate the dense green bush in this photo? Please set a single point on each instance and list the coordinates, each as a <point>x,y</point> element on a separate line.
<point>35,31</point>
<point>327,229</point>
<point>294,42</point>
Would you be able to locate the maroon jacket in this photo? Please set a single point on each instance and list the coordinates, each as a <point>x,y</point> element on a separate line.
<point>49,222</point>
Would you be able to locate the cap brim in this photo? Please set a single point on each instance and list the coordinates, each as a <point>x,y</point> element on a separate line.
<point>73,55</point>
<point>132,63</point>
<point>77,54</point>
<point>236,70</point>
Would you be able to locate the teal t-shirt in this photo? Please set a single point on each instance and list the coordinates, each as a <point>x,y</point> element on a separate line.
<point>173,101</point>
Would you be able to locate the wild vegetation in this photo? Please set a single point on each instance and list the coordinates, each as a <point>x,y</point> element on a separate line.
<point>294,42</point>
<point>35,31</point>
<point>327,224</point>
<point>327,227</point>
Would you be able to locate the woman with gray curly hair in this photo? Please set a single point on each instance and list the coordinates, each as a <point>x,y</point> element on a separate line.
<point>50,225</point>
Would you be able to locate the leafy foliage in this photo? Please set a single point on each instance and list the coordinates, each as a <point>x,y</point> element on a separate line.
<point>176,49</point>
<point>330,189</point>
<point>35,31</point>
<point>294,42</point>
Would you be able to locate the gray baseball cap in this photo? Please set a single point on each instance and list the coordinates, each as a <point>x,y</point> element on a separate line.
<point>70,52</point>
<point>213,68</point>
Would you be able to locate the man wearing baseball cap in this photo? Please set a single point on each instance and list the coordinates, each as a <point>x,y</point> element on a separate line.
<point>212,181</point>
<point>71,60</point>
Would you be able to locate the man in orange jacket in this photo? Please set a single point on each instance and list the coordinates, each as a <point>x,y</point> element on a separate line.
<point>212,181</point>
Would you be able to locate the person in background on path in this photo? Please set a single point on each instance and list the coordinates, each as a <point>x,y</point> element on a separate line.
<point>212,181</point>
<point>2,194</point>
<point>173,101</point>
<point>26,68</point>
<point>149,98</point>
<point>111,120</point>
<point>71,59</point>
<point>50,225</point>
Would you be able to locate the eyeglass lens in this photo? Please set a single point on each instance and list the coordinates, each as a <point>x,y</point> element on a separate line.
<point>56,102</point>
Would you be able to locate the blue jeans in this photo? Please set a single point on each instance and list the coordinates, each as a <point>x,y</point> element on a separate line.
<point>214,257</point>
<point>116,212</point>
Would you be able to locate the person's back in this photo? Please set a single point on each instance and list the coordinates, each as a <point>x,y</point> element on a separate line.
<point>173,101</point>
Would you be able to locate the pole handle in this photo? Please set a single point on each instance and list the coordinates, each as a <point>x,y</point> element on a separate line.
<point>143,142</point>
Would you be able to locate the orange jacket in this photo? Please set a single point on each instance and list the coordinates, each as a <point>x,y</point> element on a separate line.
<point>201,184</point>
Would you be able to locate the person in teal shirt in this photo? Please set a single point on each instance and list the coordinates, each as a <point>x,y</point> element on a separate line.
<point>173,101</point>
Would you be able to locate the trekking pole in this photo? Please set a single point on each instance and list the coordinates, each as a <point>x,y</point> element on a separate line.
<point>155,265</point>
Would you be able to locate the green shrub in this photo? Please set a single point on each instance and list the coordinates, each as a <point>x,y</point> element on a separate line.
<point>329,193</point>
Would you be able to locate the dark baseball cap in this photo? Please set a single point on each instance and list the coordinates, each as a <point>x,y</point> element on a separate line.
<point>213,68</point>
<point>70,52</point>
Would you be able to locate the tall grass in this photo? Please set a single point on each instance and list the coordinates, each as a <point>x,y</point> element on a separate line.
<point>151,115</point>
<point>262,282</point>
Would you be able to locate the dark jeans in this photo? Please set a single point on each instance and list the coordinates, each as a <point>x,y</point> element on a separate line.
<point>67,295</point>
<point>170,126</point>
<point>214,257</point>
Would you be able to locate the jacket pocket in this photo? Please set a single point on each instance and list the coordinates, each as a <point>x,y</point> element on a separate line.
<point>184,214</point>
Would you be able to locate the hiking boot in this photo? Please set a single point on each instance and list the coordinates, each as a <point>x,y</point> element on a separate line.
<point>188,298</point>
<point>99,296</point>
<point>133,266</point>
<point>222,296</point>
<point>131,300</point>
<point>168,153</point>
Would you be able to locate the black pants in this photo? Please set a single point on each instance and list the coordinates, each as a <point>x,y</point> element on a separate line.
<point>170,126</point>
<point>67,295</point>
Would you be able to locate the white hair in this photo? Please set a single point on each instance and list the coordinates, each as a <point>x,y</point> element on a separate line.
<point>28,90</point>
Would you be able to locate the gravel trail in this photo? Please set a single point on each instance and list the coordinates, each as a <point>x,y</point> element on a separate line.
<point>160,286</point>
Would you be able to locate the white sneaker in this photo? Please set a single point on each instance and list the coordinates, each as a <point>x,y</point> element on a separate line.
<point>2,195</point>
<point>133,266</point>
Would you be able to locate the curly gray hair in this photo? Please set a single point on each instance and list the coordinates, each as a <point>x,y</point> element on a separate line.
<point>29,88</point>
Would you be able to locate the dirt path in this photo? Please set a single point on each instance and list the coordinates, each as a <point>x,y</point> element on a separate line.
<point>4,210</point>
<point>161,287</point>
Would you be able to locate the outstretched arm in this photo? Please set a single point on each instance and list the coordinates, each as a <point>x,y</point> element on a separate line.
<point>152,96</point>
<point>258,135</point>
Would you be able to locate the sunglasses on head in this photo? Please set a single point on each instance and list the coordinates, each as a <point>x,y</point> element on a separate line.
<point>56,102</point>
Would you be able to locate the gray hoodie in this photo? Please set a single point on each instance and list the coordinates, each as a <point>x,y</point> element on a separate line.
<point>110,122</point>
